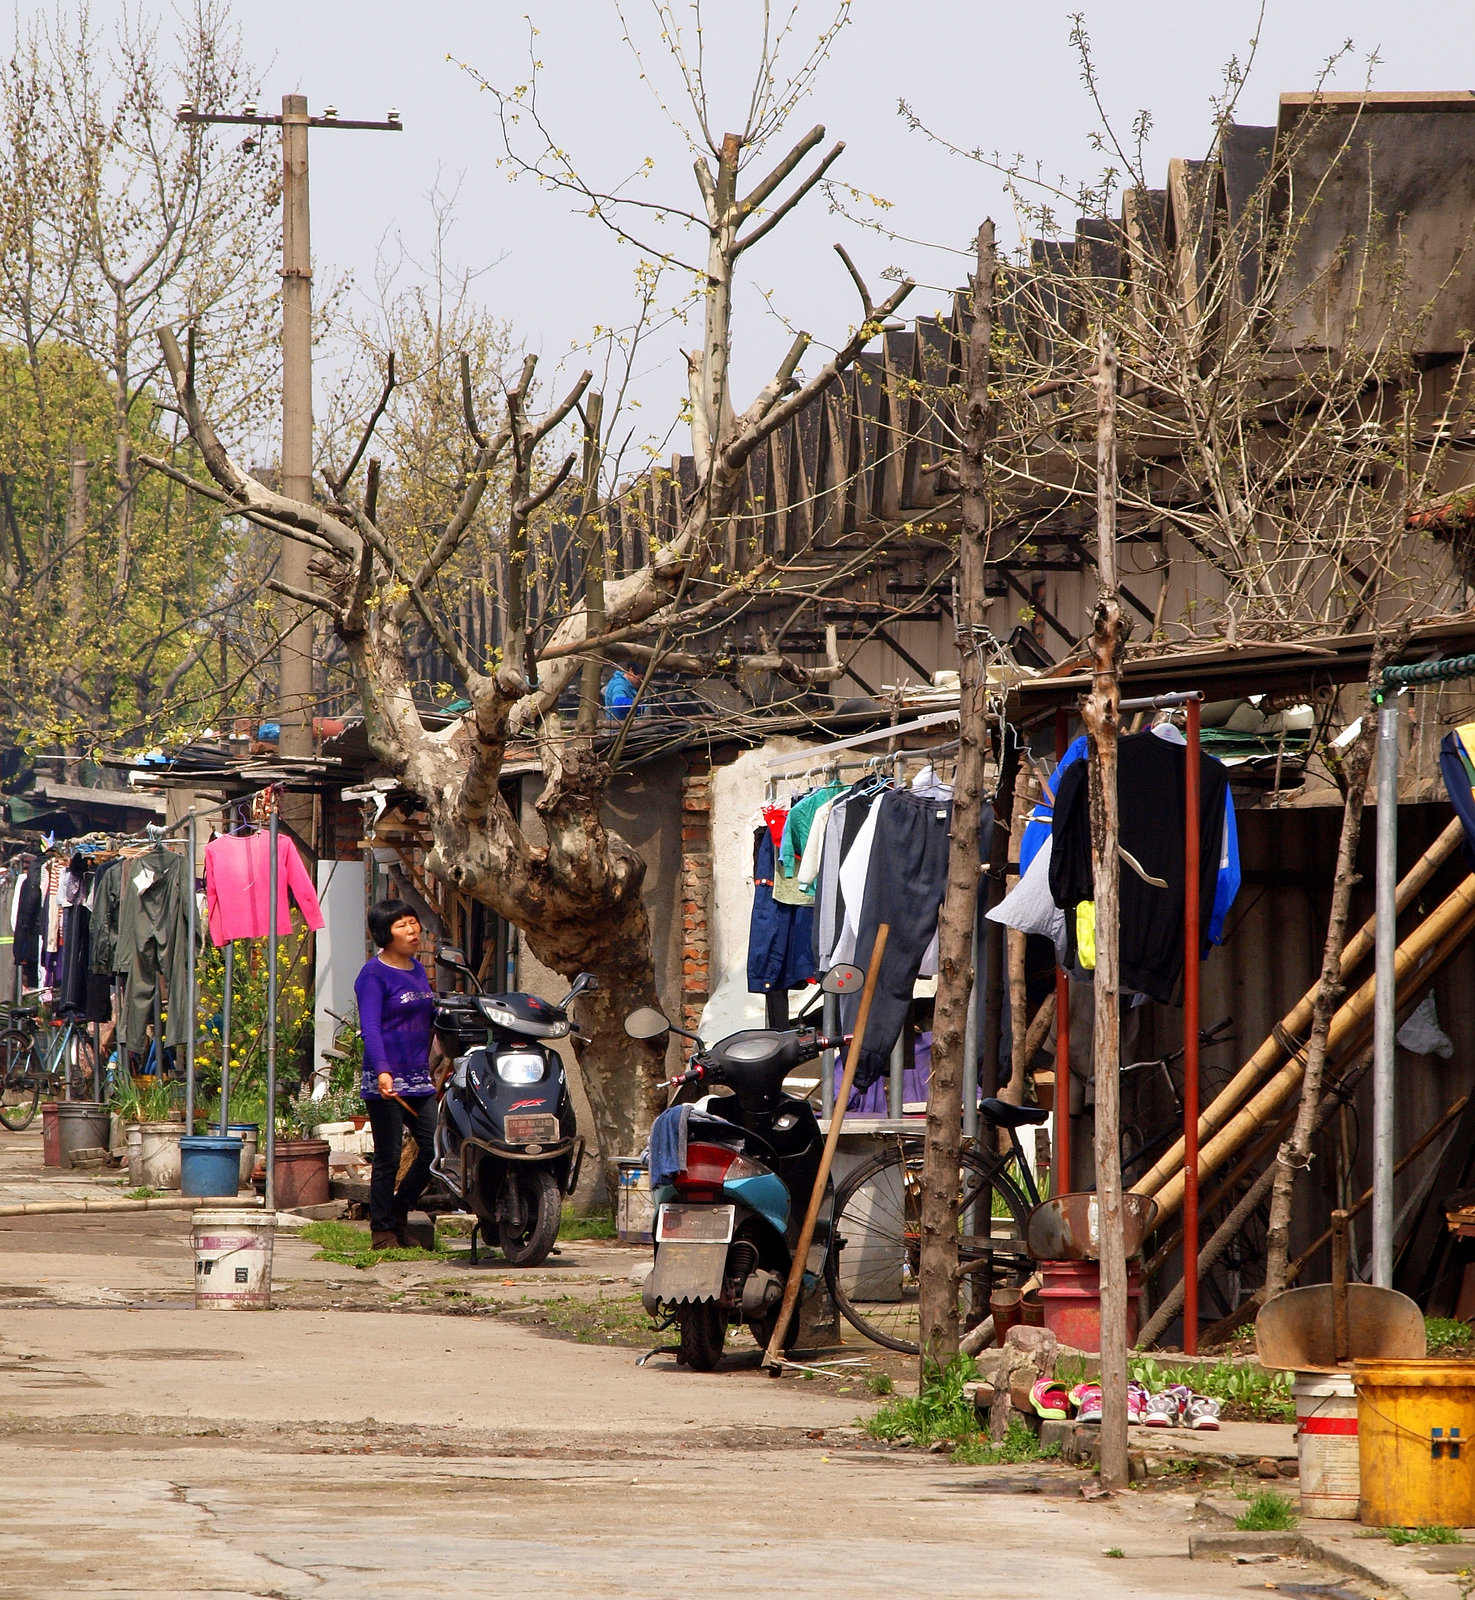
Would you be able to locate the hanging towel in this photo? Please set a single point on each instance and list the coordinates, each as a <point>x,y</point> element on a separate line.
<point>237,882</point>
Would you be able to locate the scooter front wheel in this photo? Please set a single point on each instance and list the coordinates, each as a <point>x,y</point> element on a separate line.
<point>703,1333</point>
<point>530,1233</point>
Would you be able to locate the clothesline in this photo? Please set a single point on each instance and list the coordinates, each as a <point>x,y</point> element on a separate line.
<point>799,758</point>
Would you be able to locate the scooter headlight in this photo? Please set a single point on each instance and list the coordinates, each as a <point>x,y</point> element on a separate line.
<point>521,1066</point>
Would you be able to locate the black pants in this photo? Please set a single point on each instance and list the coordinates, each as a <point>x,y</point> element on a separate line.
<point>905,883</point>
<point>388,1206</point>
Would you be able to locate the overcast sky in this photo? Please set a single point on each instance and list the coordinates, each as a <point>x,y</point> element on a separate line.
<point>990,75</point>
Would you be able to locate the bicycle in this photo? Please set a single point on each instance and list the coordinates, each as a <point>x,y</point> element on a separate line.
<point>874,1267</point>
<point>28,1064</point>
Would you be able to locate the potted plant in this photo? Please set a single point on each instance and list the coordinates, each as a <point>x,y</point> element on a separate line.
<point>301,1159</point>
<point>160,1128</point>
<point>128,1108</point>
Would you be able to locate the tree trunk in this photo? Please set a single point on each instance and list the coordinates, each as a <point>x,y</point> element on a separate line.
<point>938,1304</point>
<point>1296,1152</point>
<point>1102,717</point>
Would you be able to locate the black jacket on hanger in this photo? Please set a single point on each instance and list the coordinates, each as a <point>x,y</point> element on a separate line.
<point>28,928</point>
<point>1150,796</point>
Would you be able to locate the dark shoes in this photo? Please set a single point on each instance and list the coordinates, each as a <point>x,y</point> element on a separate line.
<point>384,1241</point>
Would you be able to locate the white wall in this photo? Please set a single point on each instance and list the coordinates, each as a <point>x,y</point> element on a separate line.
<point>342,948</point>
<point>737,797</point>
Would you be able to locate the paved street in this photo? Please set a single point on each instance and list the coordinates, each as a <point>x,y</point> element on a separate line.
<point>380,1441</point>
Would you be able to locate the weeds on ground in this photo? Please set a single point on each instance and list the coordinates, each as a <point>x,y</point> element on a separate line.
<point>595,1225</point>
<point>1433,1533</point>
<point>1018,1445</point>
<point>143,1194</point>
<point>348,1246</point>
<point>613,1319</point>
<point>1269,1511</point>
<point>1248,1393</point>
<point>880,1384</point>
<point>1116,1553</point>
<point>1447,1336</point>
<point>1069,1371</point>
<point>941,1411</point>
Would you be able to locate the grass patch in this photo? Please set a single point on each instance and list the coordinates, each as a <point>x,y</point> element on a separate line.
<point>143,1194</point>
<point>1447,1336</point>
<point>1434,1533</point>
<point>1269,1511</point>
<point>941,1411</point>
<point>1018,1445</point>
<point>880,1384</point>
<point>1245,1393</point>
<point>596,1225</point>
<point>615,1319</point>
<point>348,1246</point>
<point>1116,1553</point>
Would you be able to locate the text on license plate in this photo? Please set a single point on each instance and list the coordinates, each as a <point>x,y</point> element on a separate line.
<point>695,1224</point>
<point>535,1129</point>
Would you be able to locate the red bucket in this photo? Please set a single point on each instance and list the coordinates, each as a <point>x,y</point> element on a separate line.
<point>1071,1294</point>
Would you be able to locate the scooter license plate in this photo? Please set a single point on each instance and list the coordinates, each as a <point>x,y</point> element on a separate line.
<point>695,1224</point>
<point>535,1129</point>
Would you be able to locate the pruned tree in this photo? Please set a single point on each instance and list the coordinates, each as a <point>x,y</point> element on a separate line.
<point>577,897</point>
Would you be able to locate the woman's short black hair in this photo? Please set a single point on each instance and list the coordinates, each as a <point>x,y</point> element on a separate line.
<point>383,917</point>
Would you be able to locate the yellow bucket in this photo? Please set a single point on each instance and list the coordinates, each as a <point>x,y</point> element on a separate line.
<point>1416,1432</point>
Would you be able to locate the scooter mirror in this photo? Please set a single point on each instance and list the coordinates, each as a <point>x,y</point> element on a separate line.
<point>647,1023</point>
<point>842,980</point>
<point>449,956</point>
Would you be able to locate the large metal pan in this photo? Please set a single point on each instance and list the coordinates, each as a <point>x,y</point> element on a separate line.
<point>1067,1228</point>
<point>1295,1329</point>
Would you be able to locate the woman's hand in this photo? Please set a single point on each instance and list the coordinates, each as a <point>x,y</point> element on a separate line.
<point>386,1084</point>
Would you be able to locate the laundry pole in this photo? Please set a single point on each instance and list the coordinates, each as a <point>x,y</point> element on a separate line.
<point>1385,1003</point>
<point>1060,1175</point>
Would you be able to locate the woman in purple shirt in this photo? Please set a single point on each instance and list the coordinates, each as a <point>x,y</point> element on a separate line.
<point>396,1009</point>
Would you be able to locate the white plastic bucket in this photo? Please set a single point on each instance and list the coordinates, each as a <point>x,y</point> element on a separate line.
<point>158,1149</point>
<point>634,1212</point>
<point>232,1252</point>
<point>1326,1444</point>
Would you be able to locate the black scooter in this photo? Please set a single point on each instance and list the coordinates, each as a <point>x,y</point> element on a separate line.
<point>731,1179</point>
<point>506,1144</point>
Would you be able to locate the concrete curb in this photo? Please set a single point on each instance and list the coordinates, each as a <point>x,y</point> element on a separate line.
<point>1310,1544</point>
<point>163,1202</point>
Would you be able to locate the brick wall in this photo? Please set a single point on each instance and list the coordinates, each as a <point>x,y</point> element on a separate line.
<point>696,889</point>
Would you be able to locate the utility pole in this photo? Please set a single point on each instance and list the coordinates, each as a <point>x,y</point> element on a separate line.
<point>297,694</point>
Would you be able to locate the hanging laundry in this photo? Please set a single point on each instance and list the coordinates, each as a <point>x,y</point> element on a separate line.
<point>779,936</point>
<point>238,882</point>
<point>1455,766</point>
<point>107,898</point>
<point>28,927</point>
<point>153,943</point>
<point>1150,790</point>
<point>903,891</point>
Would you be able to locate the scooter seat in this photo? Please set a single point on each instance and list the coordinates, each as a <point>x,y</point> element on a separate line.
<point>1003,1115</point>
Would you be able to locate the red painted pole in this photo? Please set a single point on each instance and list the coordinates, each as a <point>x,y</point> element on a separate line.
<point>1061,1175</point>
<point>1191,957</point>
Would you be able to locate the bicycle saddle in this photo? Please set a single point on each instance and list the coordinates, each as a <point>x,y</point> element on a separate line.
<point>1003,1115</point>
<point>25,1011</point>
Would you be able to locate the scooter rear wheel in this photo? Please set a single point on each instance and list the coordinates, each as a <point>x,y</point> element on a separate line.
<point>703,1333</point>
<point>527,1242</point>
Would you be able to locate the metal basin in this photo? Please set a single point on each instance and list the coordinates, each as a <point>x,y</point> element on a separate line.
<point>1294,1330</point>
<point>1067,1228</point>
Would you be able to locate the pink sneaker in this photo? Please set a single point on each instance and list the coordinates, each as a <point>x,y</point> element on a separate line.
<point>1136,1401</point>
<point>1086,1398</point>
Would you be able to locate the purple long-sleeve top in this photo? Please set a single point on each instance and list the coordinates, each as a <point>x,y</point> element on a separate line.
<point>396,1009</point>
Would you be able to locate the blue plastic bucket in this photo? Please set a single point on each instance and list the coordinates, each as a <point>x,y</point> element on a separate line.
<point>209,1165</point>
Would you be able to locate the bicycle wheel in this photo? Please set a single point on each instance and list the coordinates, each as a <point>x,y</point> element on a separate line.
<point>20,1081</point>
<point>874,1267</point>
<point>80,1060</point>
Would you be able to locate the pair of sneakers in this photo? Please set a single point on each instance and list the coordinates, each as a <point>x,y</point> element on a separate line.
<point>1175,1407</point>
<point>1053,1401</point>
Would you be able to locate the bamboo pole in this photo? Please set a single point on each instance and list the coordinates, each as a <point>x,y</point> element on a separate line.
<point>1272,1051</point>
<point>1424,951</point>
<point>773,1356</point>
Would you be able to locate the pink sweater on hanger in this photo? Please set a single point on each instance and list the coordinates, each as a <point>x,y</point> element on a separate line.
<point>237,884</point>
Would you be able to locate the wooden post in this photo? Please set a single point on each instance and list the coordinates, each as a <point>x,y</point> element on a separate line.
<point>938,1300</point>
<point>1102,718</point>
<point>773,1357</point>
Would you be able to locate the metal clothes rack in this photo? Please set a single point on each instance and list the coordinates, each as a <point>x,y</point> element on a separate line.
<point>1398,680</point>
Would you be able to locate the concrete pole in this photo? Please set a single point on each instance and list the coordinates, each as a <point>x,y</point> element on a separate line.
<point>1384,999</point>
<point>296,650</point>
<point>272,892</point>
